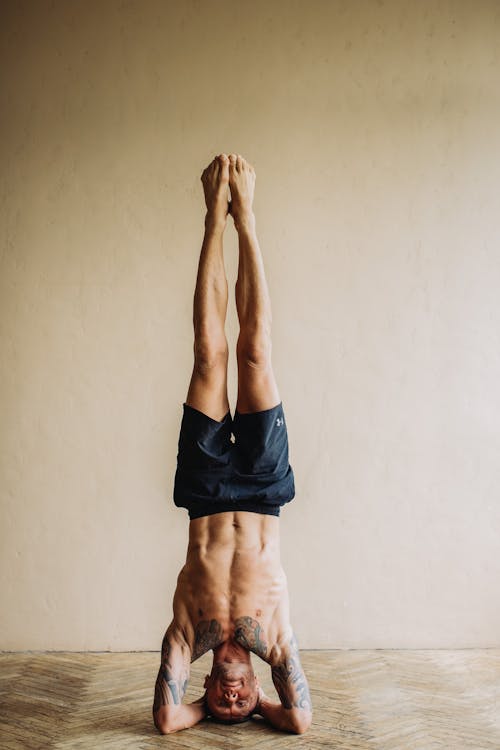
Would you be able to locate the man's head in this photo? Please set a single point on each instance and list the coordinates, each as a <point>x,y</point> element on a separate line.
<point>232,691</point>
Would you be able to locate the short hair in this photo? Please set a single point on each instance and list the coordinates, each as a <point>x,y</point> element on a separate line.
<point>235,720</point>
<point>238,720</point>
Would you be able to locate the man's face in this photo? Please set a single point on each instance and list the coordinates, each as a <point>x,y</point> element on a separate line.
<point>231,691</point>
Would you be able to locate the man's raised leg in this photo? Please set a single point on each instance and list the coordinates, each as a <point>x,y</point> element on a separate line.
<point>208,387</point>
<point>257,387</point>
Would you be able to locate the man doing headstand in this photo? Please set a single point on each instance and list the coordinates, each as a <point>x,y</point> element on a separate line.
<point>233,476</point>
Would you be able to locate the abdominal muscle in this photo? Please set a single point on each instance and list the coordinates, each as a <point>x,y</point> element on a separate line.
<point>233,571</point>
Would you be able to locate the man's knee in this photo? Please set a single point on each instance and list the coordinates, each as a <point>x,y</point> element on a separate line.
<point>210,354</point>
<point>253,349</point>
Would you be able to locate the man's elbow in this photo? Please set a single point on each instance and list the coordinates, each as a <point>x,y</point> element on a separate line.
<point>165,728</point>
<point>164,724</point>
<point>301,723</point>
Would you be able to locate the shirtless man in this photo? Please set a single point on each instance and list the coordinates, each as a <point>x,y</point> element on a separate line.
<point>232,476</point>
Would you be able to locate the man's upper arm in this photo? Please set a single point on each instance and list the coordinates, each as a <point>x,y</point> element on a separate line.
<point>173,674</point>
<point>169,713</point>
<point>290,681</point>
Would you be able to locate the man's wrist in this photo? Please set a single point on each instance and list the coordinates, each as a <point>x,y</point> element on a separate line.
<point>261,696</point>
<point>202,702</point>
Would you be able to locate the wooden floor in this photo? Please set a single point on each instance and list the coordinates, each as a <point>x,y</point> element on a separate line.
<point>392,700</point>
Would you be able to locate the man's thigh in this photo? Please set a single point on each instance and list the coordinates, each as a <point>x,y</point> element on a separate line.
<point>257,387</point>
<point>208,389</point>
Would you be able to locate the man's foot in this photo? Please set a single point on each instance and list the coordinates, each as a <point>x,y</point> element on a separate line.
<point>242,186</point>
<point>215,179</point>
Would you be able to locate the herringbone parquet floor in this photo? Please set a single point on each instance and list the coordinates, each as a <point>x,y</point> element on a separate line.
<point>384,699</point>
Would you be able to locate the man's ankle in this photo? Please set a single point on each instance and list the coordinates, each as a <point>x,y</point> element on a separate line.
<point>245,223</point>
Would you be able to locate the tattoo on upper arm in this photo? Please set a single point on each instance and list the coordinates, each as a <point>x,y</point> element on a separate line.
<point>290,680</point>
<point>248,633</point>
<point>208,634</point>
<point>172,679</point>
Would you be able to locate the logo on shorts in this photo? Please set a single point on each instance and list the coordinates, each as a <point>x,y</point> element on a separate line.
<point>279,421</point>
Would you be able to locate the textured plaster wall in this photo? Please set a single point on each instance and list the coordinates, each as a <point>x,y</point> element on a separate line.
<point>374,130</point>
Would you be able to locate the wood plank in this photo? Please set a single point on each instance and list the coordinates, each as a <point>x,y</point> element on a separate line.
<point>382,699</point>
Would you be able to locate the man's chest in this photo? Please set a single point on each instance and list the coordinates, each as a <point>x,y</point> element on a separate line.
<point>246,603</point>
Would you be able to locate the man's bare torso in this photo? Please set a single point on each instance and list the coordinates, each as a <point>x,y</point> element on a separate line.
<point>233,585</point>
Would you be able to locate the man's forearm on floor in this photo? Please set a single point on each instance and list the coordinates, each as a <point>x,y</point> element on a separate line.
<point>169,719</point>
<point>286,719</point>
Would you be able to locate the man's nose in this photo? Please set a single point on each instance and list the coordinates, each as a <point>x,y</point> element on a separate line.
<point>231,696</point>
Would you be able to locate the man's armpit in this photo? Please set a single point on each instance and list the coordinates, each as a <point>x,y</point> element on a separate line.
<point>289,679</point>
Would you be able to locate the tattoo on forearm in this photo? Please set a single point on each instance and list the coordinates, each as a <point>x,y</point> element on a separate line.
<point>248,633</point>
<point>290,680</point>
<point>208,634</point>
<point>169,687</point>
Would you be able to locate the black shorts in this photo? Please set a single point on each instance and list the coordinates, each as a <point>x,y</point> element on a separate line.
<point>235,464</point>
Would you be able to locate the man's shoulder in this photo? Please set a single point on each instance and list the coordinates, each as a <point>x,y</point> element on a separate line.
<point>177,635</point>
<point>266,641</point>
<point>282,643</point>
<point>250,634</point>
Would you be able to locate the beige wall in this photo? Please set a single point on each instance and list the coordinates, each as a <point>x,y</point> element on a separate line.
<point>374,130</point>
